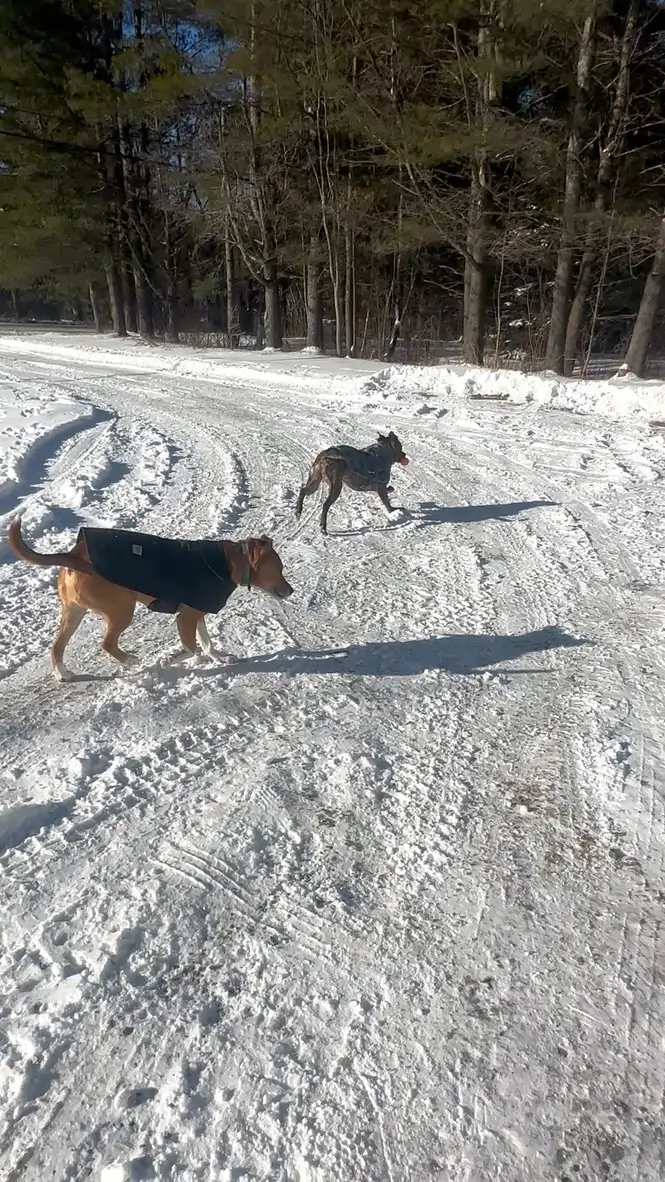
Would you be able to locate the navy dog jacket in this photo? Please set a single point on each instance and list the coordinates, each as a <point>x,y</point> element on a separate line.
<point>173,572</point>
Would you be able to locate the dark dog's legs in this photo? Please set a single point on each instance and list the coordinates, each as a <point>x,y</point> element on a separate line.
<point>335,481</point>
<point>384,498</point>
<point>311,485</point>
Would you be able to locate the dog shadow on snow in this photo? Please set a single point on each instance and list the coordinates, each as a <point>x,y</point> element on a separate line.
<point>428,513</point>
<point>461,654</point>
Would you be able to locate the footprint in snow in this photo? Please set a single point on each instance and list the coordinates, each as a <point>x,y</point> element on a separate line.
<point>139,1169</point>
<point>128,1098</point>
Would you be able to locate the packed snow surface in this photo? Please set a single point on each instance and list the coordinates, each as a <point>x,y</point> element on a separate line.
<point>384,900</point>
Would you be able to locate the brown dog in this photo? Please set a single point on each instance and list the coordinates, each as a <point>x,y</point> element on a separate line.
<point>82,588</point>
<point>363,471</point>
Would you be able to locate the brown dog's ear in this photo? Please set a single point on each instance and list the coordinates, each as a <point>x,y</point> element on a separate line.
<point>256,548</point>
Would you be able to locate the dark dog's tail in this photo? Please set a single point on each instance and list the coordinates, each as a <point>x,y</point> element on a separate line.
<point>22,550</point>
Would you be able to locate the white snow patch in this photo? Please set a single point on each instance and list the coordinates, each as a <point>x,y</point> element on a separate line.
<point>398,387</point>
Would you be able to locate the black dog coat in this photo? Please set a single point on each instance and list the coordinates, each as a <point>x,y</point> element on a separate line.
<point>174,573</point>
<point>372,465</point>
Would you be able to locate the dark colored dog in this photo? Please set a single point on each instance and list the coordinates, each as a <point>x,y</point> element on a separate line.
<point>363,471</point>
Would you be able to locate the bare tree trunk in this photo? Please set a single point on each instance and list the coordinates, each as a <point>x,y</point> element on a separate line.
<point>335,279</point>
<point>325,172</point>
<point>260,318</point>
<point>578,306</point>
<point>396,289</point>
<point>350,293</point>
<point>398,309</point>
<point>313,297</point>
<point>94,307</point>
<point>273,306</point>
<point>394,335</point>
<point>350,252</point>
<point>476,263</point>
<point>640,340</point>
<point>111,178</point>
<point>476,276</point>
<point>231,307</point>
<point>260,199</point>
<point>109,166</point>
<point>137,187</point>
<point>125,238</point>
<point>172,307</point>
<point>339,312</point>
<point>116,301</point>
<point>606,166</point>
<point>563,280</point>
<point>171,270</point>
<point>599,293</point>
<point>139,248</point>
<point>128,294</point>
<point>172,310</point>
<point>140,254</point>
<point>144,309</point>
<point>120,233</point>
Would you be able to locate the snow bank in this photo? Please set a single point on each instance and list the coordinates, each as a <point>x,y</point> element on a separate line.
<point>620,397</point>
<point>403,389</point>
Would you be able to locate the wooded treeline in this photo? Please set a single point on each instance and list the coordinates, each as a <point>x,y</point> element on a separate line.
<point>364,175</point>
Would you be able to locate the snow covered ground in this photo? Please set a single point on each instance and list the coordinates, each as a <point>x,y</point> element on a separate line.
<point>385,900</point>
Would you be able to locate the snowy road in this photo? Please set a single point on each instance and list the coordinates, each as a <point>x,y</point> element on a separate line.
<point>384,901</point>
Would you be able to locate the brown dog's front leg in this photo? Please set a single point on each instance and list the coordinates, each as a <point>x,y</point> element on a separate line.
<point>186,622</point>
<point>208,647</point>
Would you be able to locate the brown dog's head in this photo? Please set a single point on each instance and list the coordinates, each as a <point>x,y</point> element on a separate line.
<point>265,567</point>
<point>393,445</point>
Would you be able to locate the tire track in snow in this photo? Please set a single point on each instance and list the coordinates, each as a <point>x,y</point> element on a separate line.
<point>211,872</point>
<point>36,462</point>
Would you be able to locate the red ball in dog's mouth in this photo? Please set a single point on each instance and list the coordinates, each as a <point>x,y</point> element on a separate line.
<point>404,461</point>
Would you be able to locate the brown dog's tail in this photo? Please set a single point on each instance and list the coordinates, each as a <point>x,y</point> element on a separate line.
<point>71,560</point>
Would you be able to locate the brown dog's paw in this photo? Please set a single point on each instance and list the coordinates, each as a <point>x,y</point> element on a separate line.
<point>219,658</point>
<point>62,673</point>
